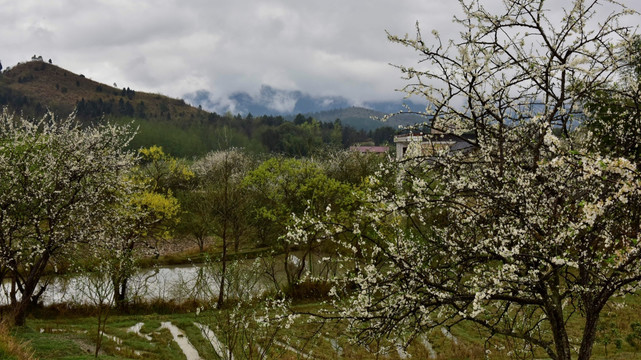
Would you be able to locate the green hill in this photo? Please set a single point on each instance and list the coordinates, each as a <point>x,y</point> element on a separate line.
<point>35,86</point>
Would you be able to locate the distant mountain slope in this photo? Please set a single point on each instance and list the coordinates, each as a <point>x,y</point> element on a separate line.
<point>289,103</point>
<point>268,101</point>
<point>35,86</point>
<point>365,119</point>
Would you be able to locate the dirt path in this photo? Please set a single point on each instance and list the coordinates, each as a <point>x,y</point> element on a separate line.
<point>220,349</point>
<point>181,339</point>
<point>136,330</point>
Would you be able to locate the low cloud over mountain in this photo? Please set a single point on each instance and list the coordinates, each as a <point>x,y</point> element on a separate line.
<point>272,101</point>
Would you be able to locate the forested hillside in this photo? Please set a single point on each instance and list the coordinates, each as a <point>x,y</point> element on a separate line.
<point>35,87</point>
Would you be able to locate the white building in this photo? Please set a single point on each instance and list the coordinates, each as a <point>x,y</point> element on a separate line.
<point>429,144</point>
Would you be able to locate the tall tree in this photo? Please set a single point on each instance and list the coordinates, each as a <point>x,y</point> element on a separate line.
<point>288,188</point>
<point>57,183</point>
<point>197,216</point>
<point>220,175</point>
<point>523,230</point>
<point>145,216</point>
<point>137,222</point>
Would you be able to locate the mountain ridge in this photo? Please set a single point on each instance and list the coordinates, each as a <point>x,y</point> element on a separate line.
<point>36,86</point>
<point>289,103</point>
<point>273,101</point>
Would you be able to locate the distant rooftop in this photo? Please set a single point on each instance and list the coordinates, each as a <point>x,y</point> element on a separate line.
<point>370,149</point>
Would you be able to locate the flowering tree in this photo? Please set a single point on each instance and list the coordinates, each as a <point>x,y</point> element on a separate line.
<point>220,193</point>
<point>528,228</point>
<point>57,183</point>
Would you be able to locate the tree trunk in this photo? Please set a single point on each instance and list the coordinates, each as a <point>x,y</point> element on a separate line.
<point>99,334</point>
<point>554,311</point>
<point>561,341</point>
<point>589,335</point>
<point>236,243</point>
<point>221,292</point>
<point>13,291</point>
<point>592,314</point>
<point>120,293</point>
<point>201,244</point>
<point>19,311</point>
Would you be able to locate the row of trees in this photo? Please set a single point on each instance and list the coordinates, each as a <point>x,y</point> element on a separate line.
<point>262,134</point>
<point>245,202</point>
<point>96,108</point>
<point>74,199</point>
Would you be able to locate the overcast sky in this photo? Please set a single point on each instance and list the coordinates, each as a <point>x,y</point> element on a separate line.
<point>174,47</point>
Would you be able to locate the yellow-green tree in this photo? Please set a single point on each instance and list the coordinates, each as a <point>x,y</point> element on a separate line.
<point>140,221</point>
<point>162,172</point>
<point>146,216</point>
<point>284,190</point>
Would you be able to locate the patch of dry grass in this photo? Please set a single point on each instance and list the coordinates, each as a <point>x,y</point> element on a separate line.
<point>11,348</point>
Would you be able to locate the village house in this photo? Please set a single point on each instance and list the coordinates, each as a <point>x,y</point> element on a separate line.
<point>370,149</point>
<point>431,143</point>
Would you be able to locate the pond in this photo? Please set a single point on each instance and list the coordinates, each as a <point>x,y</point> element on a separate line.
<point>177,283</point>
<point>172,283</point>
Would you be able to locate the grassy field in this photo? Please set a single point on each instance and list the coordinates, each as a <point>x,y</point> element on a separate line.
<point>58,334</point>
<point>73,337</point>
<point>144,332</point>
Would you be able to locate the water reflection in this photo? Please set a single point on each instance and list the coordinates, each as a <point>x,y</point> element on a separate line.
<point>244,278</point>
<point>161,283</point>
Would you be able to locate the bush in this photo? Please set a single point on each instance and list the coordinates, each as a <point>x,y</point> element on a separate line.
<point>309,290</point>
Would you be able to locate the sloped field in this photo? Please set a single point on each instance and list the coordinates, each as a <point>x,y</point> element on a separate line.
<point>229,334</point>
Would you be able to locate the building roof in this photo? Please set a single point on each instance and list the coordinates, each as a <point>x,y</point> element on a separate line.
<point>434,137</point>
<point>373,149</point>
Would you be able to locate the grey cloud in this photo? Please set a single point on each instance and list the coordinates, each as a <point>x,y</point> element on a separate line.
<point>325,48</point>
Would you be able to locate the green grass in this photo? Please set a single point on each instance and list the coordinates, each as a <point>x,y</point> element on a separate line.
<point>72,335</point>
